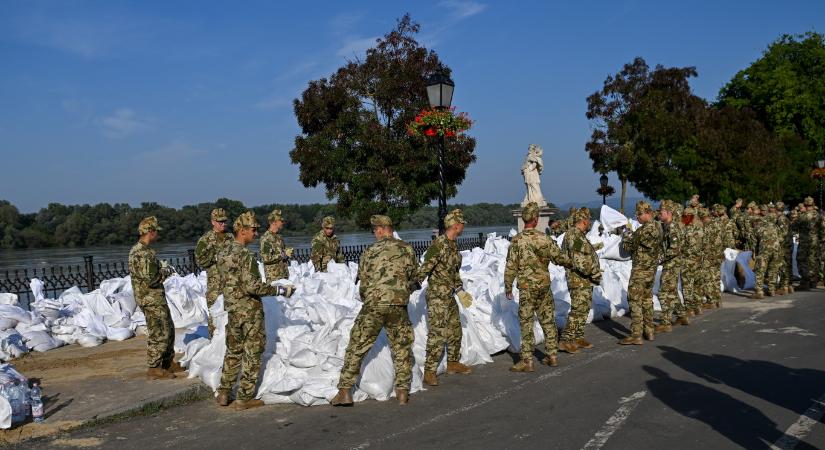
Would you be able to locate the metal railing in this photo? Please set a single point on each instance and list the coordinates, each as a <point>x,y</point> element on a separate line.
<point>87,276</point>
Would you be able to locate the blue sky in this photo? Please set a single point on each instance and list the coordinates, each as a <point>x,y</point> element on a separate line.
<point>184,102</point>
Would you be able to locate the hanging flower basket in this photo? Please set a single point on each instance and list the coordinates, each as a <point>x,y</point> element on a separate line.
<point>818,173</point>
<point>434,122</point>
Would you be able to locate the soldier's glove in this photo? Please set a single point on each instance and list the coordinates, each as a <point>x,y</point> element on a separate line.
<point>464,297</point>
<point>285,291</point>
<point>289,252</point>
<point>598,246</point>
<point>166,270</point>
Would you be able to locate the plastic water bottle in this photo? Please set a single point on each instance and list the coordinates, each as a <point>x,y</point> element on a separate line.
<point>37,403</point>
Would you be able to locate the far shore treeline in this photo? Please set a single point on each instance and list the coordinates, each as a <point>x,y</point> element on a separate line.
<point>60,225</point>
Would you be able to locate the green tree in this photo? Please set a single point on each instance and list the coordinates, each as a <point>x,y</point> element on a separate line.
<point>354,132</point>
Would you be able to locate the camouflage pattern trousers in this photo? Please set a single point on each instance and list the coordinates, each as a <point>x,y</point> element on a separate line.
<point>580,300</point>
<point>766,270</point>
<point>786,270</point>
<point>669,293</point>
<point>711,283</point>
<point>640,300</point>
<point>537,302</point>
<point>213,290</point>
<point>444,327</point>
<point>161,342</point>
<point>395,320</point>
<point>806,261</point>
<point>245,341</point>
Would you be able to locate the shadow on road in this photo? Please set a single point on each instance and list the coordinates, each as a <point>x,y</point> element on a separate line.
<point>739,422</point>
<point>792,389</point>
<point>612,328</point>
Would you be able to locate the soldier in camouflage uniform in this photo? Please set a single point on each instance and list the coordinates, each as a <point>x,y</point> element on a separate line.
<point>206,255</point>
<point>528,259</point>
<point>245,331</point>
<point>786,276</point>
<point>325,246</point>
<point>783,230</point>
<point>806,258</point>
<point>769,254</point>
<point>750,237</point>
<point>715,256</point>
<point>441,266</point>
<point>582,276</point>
<point>274,254</point>
<point>692,265</point>
<point>645,247</point>
<point>673,239</point>
<point>148,275</point>
<point>387,271</point>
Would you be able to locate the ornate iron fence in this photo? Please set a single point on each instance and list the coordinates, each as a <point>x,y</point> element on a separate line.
<point>87,276</point>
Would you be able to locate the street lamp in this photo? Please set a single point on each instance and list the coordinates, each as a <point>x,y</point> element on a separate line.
<point>603,183</point>
<point>440,94</point>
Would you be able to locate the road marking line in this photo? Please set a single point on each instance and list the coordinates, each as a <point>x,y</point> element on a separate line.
<point>488,399</point>
<point>800,429</point>
<point>615,421</point>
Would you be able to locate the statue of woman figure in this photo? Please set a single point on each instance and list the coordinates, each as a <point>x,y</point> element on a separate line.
<point>531,169</point>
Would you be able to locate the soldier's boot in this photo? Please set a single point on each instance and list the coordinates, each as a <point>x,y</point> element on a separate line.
<point>689,313</point>
<point>698,311</point>
<point>632,340</point>
<point>241,405</point>
<point>550,360</point>
<point>343,398</point>
<point>568,346</point>
<point>782,291</point>
<point>223,398</point>
<point>682,321</point>
<point>757,295</point>
<point>429,378</point>
<point>403,396</point>
<point>583,343</point>
<point>648,335</point>
<point>157,373</point>
<point>663,328</point>
<point>789,290</point>
<point>770,293</point>
<point>711,305</point>
<point>457,367</point>
<point>175,367</point>
<point>524,365</point>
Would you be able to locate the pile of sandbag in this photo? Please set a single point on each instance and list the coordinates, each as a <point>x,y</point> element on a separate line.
<point>14,397</point>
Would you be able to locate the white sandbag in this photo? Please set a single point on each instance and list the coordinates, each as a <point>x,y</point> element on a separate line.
<point>5,413</point>
<point>16,313</point>
<point>11,345</point>
<point>611,219</point>
<point>89,340</point>
<point>118,334</point>
<point>186,300</point>
<point>40,341</point>
<point>6,323</point>
<point>38,289</point>
<point>8,299</point>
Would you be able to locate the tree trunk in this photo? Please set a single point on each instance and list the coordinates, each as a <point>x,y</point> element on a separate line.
<point>624,191</point>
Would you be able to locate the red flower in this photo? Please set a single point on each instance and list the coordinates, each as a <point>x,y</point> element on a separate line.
<point>449,133</point>
<point>429,132</point>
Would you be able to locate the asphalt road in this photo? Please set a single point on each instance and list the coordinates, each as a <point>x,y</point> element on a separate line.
<point>750,375</point>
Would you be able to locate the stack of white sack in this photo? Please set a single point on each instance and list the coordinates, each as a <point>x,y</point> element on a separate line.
<point>14,397</point>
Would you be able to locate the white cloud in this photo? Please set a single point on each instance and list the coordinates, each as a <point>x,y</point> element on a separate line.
<point>356,46</point>
<point>463,9</point>
<point>123,122</point>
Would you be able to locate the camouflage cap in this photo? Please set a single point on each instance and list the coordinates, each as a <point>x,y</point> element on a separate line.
<point>703,212</point>
<point>809,201</point>
<point>780,206</point>
<point>453,217</point>
<point>720,209</point>
<point>794,213</point>
<point>219,215</point>
<point>378,220</point>
<point>678,209</point>
<point>149,224</point>
<point>275,215</point>
<point>764,208</point>
<point>328,222</point>
<point>689,211</point>
<point>582,213</point>
<point>530,212</point>
<point>752,205</point>
<point>643,207</point>
<point>668,205</point>
<point>739,200</point>
<point>245,220</point>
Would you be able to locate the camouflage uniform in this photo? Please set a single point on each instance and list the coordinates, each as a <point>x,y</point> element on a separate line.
<point>786,276</point>
<point>147,284</point>
<point>274,254</point>
<point>806,257</point>
<point>442,264</point>
<point>245,331</point>
<point>692,257</point>
<point>714,254</point>
<point>673,237</point>
<point>645,247</point>
<point>783,229</point>
<point>206,255</point>
<point>528,259</point>
<point>326,249</point>
<point>769,255</point>
<point>387,271</point>
<point>584,273</point>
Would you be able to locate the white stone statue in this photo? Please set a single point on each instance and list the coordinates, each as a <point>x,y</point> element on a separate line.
<point>531,169</point>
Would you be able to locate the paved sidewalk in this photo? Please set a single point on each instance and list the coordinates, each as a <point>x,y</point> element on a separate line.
<point>89,385</point>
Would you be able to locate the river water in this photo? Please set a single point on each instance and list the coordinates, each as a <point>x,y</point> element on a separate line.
<point>47,257</point>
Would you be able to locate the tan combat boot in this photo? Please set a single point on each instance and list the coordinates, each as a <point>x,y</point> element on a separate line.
<point>757,295</point>
<point>403,396</point>
<point>524,365</point>
<point>175,367</point>
<point>568,347</point>
<point>343,398</point>
<point>156,373</point>
<point>698,311</point>
<point>648,335</point>
<point>430,379</point>
<point>632,340</point>
<point>781,291</point>
<point>241,405</point>
<point>710,305</point>
<point>550,360</point>
<point>663,328</point>
<point>223,398</point>
<point>457,367</point>
<point>789,290</point>
<point>682,321</point>
<point>583,343</point>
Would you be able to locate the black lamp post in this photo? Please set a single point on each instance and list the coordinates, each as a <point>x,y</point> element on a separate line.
<point>603,183</point>
<point>821,165</point>
<point>440,94</point>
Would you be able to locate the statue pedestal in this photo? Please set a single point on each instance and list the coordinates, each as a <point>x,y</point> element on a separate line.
<point>546,214</point>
